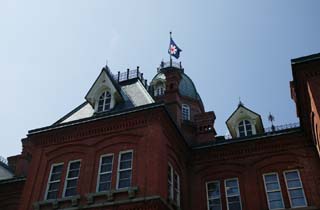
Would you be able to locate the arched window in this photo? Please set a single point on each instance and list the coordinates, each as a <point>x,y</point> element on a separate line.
<point>159,90</point>
<point>104,101</point>
<point>185,112</point>
<point>245,128</point>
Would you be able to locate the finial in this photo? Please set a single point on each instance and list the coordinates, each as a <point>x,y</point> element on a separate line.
<point>240,102</point>
<point>271,119</point>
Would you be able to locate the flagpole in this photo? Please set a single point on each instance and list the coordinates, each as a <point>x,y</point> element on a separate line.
<point>169,48</point>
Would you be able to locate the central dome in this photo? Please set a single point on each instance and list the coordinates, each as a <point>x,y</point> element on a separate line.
<point>186,86</point>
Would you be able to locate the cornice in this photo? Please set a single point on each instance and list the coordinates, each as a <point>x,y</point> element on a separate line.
<point>83,132</point>
<point>250,149</point>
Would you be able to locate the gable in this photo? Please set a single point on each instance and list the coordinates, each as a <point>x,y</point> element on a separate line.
<point>243,113</point>
<point>104,82</point>
<point>125,95</point>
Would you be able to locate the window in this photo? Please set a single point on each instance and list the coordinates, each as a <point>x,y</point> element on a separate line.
<point>213,195</point>
<point>173,185</point>
<point>273,191</point>
<point>185,112</point>
<point>105,173</point>
<point>124,170</point>
<point>245,128</point>
<point>70,187</point>
<point>170,182</point>
<point>159,91</point>
<point>232,194</point>
<point>295,189</point>
<point>54,181</point>
<point>176,182</point>
<point>104,101</point>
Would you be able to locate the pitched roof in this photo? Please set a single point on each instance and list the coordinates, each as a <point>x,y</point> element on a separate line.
<point>133,94</point>
<point>241,105</point>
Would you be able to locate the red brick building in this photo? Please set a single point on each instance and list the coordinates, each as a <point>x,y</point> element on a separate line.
<point>134,145</point>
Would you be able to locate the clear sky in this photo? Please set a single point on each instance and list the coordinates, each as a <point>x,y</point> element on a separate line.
<point>52,51</point>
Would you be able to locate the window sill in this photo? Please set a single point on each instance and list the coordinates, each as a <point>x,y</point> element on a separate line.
<point>91,197</point>
<point>74,200</point>
<point>304,208</point>
<point>174,204</point>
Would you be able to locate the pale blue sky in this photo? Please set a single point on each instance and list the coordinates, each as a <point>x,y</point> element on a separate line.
<point>52,51</point>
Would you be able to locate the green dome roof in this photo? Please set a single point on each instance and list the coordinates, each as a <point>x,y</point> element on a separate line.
<point>186,86</point>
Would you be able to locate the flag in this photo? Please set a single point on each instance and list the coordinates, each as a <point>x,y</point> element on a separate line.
<point>174,50</point>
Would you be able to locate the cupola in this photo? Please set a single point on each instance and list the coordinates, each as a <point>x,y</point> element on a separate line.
<point>172,86</point>
<point>244,122</point>
<point>185,86</point>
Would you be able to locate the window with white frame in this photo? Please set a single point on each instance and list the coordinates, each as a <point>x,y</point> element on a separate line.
<point>105,173</point>
<point>176,190</point>
<point>173,185</point>
<point>244,128</point>
<point>232,194</point>
<point>124,169</point>
<point>170,182</point>
<point>273,191</point>
<point>213,195</point>
<point>54,181</point>
<point>185,112</point>
<point>295,189</point>
<point>104,102</point>
<point>71,182</point>
<point>159,90</point>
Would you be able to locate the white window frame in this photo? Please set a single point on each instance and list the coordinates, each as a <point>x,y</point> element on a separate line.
<point>104,101</point>
<point>279,190</point>
<point>67,179</point>
<point>99,170</point>
<point>176,190</point>
<point>170,195</point>
<point>226,193</point>
<point>118,171</point>
<point>286,181</point>
<point>159,90</point>
<point>207,183</point>
<point>245,128</point>
<point>49,177</point>
<point>187,108</point>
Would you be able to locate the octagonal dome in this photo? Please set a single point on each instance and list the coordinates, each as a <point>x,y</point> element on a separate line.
<point>186,86</point>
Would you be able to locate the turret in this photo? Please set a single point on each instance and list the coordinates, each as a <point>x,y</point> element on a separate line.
<point>172,86</point>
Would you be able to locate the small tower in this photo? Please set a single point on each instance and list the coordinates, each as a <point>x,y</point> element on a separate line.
<point>173,87</point>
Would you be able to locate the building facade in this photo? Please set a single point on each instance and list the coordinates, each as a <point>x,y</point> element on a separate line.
<point>139,145</point>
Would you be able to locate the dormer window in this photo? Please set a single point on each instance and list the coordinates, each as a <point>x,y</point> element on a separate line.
<point>245,128</point>
<point>185,112</point>
<point>159,91</point>
<point>104,102</point>
<point>244,122</point>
